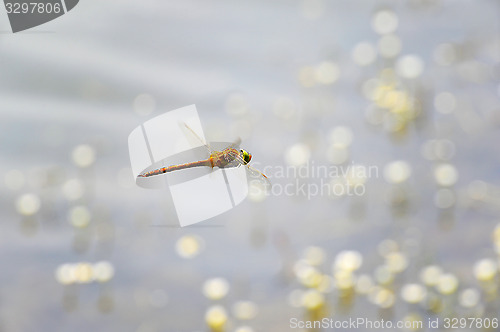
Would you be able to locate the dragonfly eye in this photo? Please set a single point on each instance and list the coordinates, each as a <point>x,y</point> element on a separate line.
<point>246,156</point>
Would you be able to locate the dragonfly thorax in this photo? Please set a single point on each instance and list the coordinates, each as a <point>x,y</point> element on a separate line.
<point>224,158</point>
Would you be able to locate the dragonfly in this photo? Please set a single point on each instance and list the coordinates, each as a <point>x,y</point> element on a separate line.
<point>229,157</point>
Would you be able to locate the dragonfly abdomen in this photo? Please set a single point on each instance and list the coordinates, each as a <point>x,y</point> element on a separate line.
<point>207,162</point>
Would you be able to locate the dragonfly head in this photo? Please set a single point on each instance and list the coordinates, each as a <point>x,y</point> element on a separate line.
<point>246,156</point>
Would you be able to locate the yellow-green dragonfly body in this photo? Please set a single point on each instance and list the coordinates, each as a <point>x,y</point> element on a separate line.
<point>229,157</point>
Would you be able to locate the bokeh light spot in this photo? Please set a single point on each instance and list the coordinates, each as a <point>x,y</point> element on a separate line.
<point>28,204</point>
<point>144,104</point>
<point>410,66</point>
<point>189,246</point>
<point>385,21</point>
<point>215,288</point>
<point>83,155</point>
<point>364,54</point>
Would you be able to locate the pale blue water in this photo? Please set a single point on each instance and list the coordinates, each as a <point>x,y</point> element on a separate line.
<point>73,81</point>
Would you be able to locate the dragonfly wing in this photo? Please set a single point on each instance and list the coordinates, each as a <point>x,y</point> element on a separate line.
<point>255,173</point>
<point>236,144</point>
<point>191,133</point>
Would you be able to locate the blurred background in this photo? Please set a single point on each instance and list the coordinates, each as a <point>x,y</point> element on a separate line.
<point>409,90</point>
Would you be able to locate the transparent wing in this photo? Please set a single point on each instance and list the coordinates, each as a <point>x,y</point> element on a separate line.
<point>236,144</point>
<point>192,133</point>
